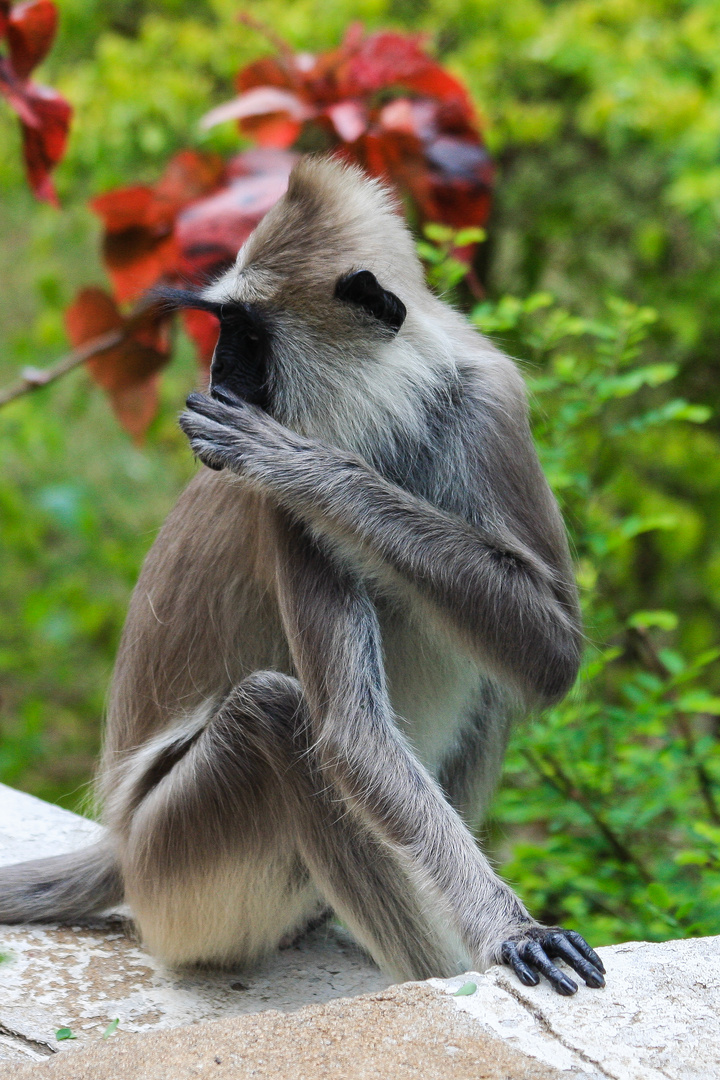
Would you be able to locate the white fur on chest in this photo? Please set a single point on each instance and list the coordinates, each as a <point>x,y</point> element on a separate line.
<point>434,687</point>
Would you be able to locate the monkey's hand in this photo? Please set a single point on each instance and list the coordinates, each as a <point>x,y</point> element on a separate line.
<point>234,435</point>
<point>231,434</point>
<point>534,949</point>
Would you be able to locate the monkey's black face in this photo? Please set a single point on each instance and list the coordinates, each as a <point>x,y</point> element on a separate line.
<point>240,361</point>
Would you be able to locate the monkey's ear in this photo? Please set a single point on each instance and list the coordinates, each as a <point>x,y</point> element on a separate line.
<point>363,289</point>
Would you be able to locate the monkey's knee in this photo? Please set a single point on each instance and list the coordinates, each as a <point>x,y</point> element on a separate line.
<point>268,711</point>
<point>266,692</point>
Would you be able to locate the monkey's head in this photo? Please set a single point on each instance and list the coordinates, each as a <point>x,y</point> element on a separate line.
<point>321,315</point>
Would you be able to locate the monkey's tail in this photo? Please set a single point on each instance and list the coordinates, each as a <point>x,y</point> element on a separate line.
<point>63,888</point>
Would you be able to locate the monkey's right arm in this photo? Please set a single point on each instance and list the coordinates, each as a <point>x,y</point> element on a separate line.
<point>334,636</point>
<point>513,606</point>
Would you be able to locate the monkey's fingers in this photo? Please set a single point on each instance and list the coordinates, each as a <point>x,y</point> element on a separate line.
<point>535,956</point>
<point>584,949</point>
<point>220,409</point>
<point>511,956</point>
<point>557,945</point>
<point>211,442</point>
<point>208,454</point>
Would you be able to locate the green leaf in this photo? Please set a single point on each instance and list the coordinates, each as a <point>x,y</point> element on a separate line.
<point>466,990</point>
<point>112,1027</point>
<point>636,524</point>
<point>440,234</point>
<point>698,701</point>
<point>64,1033</point>
<point>468,236</point>
<point>663,620</point>
<point>659,895</point>
<point>429,253</point>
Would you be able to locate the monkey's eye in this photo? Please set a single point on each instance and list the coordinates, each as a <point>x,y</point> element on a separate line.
<point>363,289</point>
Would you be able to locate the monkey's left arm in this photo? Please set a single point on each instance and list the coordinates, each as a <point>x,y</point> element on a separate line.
<point>506,601</point>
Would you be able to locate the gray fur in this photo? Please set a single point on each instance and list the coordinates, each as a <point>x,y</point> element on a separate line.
<point>60,887</point>
<point>331,637</point>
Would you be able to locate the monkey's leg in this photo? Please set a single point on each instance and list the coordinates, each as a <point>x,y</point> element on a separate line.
<point>235,835</point>
<point>335,640</point>
<point>202,830</point>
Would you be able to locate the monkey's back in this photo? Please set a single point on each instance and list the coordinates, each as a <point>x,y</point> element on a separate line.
<point>203,614</point>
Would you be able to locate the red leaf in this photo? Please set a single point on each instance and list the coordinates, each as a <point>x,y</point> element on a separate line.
<point>202,327</point>
<point>259,101</point>
<point>384,60</point>
<point>136,406</point>
<point>272,116</point>
<point>189,175</point>
<point>136,261</point>
<point>269,71</point>
<point>30,29</point>
<point>123,208</point>
<point>14,90</point>
<point>139,247</point>
<point>273,132</point>
<point>144,352</point>
<point>44,143</point>
<point>393,156</point>
<point>211,231</point>
<point>126,372</point>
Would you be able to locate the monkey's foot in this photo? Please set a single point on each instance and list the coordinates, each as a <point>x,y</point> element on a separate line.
<point>536,949</point>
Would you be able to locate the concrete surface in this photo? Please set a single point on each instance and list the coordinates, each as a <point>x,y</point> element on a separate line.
<point>657,1019</point>
<point>409,1032</point>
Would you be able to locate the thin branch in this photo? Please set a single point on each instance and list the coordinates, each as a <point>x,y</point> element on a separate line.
<point>266,31</point>
<point>33,378</point>
<point>562,783</point>
<point>645,647</point>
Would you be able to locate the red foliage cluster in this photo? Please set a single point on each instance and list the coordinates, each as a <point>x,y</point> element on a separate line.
<point>385,104</point>
<point>28,30</point>
<point>379,101</point>
<point>186,228</point>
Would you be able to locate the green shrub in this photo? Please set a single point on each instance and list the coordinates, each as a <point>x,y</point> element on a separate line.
<point>603,117</point>
<point>612,799</point>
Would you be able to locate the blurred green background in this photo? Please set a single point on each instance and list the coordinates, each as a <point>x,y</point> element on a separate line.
<point>603,275</point>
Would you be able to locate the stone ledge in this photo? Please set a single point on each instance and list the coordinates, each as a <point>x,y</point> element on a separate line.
<point>657,1019</point>
<point>408,1032</point>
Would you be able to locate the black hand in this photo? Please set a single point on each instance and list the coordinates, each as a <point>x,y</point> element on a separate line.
<point>535,951</point>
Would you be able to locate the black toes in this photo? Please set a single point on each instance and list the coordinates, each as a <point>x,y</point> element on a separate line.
<point>535,953</point>
<point>558,945</point>
<point>511,956</point>
<point>584,949</point>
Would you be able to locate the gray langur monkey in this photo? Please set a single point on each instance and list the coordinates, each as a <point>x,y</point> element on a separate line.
<point>336,625</point>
